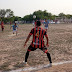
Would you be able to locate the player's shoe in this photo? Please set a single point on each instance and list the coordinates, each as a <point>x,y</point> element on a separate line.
<point>50,65</point>
<point>25,63</point>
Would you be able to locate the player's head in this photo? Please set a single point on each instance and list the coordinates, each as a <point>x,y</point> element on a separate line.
<point>15,23</point>
<point>38,23</point>
<point>46,20</point>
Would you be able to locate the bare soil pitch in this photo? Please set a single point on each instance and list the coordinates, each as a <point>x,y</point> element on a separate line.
<point>12,52</point>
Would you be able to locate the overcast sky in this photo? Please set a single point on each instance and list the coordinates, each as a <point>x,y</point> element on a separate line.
<point>26,7</point>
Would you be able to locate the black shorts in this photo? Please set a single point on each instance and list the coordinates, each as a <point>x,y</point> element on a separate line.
<point>44,49</point>
<point>2,28</point>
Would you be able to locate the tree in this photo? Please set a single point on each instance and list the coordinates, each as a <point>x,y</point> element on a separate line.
<point>61,15</point>
<point>6,15</point>
<point>9,13</point>
<point>28,17</point>
<point>39,14</point>
<point>2,13</point>
<point>42,14</point>
<point>53,17</point>
<point>69,16</point>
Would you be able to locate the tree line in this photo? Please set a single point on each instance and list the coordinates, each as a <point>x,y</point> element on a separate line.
<point>8,15</point>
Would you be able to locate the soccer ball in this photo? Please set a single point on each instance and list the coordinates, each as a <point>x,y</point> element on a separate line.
<point>34,16</point>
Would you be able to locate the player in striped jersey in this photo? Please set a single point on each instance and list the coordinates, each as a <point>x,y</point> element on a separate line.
<point>37,42</point>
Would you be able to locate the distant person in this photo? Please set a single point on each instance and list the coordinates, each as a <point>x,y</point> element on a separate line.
<point>33,23</point>
<point>56,21</point>
<point>2,25</point>
<point>10,22</point>
<point>15,28</point>
<point>37,42</point>
<point>46,24</point>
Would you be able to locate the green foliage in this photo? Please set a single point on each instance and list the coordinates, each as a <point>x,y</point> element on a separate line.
<point>28,17</point>
<point>69,16</point>
<point>61,15</point>
<point>8,15</point>
<point>39,15</point>
<point>2,13</point>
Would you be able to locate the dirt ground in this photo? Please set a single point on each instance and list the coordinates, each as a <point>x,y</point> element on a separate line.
<point>59,68</point>
<point>12,52</point>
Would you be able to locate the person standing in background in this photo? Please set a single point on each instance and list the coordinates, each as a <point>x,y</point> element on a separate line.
<point>46,24</point>
<point>2,25</point>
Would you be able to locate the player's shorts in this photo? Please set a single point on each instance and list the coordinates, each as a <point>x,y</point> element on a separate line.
<point>46,27</point>
<point>14,30</point>
<point>2,28</point>
<point>44,49</point>
<point>33,24</point>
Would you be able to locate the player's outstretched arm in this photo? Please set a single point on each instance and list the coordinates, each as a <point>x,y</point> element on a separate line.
<point>27,40</point>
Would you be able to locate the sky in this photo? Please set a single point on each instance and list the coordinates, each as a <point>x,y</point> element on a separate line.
<point>26,7</point>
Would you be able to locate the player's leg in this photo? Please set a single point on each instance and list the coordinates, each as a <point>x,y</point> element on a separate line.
<point>26,56</point>
<point>50,61</point>
<point>46,30</point>
<point>49,57</point>
<point>13,31</point>
<point>45,50</point>
<point>16,32</point>
<point>30,48</point>
<point>33,24</point>
<point>2,29</point>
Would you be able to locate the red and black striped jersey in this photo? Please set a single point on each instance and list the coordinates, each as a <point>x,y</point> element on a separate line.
<point>38,36</point>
